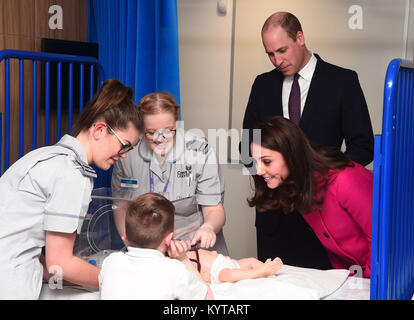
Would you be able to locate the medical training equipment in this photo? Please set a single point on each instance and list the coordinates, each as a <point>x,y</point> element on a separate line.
<point>99,237</point>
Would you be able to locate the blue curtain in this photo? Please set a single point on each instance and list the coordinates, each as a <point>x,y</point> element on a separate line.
<point>138,43</point>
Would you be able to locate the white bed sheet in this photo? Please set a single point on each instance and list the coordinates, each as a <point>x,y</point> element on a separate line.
<point>289,283</point>
<point>352,289</point>
<point>68,293</point>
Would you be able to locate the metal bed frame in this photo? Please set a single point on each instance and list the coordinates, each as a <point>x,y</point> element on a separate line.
<point>48,59</point>
<point>392,252</point>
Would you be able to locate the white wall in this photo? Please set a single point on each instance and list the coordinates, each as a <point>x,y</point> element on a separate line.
<point>216,74</point>
<point>205,61</point>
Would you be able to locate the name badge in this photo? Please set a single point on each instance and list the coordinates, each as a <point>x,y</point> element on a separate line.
<point>129,183</point>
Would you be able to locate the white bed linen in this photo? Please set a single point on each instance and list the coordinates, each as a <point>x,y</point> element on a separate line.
<point>289,283</point>
<point>354,288</point>
<point>68,293</point>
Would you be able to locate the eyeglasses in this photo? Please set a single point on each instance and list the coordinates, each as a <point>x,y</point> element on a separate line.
<point>125,146</point>
<point>165,133</point>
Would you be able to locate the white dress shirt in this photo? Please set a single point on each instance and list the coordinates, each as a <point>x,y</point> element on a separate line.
<point>305,78</point>
<point>146,274</point>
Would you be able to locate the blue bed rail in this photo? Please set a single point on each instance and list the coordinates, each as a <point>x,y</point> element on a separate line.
<point>392,252</point>
<point>47,59</point>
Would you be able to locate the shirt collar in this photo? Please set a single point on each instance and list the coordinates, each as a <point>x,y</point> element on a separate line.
<point>307,71</point>
<point>144,253</point>
<point>75,145</point>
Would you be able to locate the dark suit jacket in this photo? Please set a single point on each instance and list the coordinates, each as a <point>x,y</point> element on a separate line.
<point>335,110</point>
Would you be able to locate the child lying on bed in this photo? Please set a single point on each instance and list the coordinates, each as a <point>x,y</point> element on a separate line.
<point>216,268</point>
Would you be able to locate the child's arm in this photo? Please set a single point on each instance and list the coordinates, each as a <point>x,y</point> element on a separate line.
<point>250,263</point>
<point>251,268</point>
<point>177,250</point>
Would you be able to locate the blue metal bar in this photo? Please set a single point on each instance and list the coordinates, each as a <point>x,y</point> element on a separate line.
<point>81,82</point>
<point>6,113</point>
<point>47,106</point>
<point>47,58</point>
<point>376,197</point>
<point>21,107</point>
<point>392,252</point>
<point>51,57</point>
<point>387,176</point>
<point>59,101</point>
<point>91,82</point>
<point>34,104</point>
<point>70,107</point>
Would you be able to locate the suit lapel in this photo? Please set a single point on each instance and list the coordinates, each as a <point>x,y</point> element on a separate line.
<point>277,92</point>
<point>313,92</point>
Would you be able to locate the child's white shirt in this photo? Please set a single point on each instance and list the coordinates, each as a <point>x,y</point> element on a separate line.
<point>147,274</point>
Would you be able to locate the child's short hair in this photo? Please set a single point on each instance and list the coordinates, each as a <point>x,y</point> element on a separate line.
<point>149,218</point>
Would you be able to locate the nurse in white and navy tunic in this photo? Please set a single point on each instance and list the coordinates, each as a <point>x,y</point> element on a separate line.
<point>179,165</point>
<point>44,196</point>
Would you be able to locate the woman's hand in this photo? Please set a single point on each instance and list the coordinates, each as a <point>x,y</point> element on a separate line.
<point>59,256</point>
<point>205,235</point>
<point>178,249</point>
<point>214,219</point>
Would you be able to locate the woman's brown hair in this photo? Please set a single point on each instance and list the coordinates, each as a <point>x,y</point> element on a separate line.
<point>310,169</point>
<point>114,104</point>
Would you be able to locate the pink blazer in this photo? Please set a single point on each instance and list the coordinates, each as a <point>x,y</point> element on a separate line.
<point>343,225</point>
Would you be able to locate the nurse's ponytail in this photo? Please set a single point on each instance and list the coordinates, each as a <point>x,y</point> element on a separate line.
<point>114,105</point>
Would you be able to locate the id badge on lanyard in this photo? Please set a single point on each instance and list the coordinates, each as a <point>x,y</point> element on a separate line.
<point>151,179</point>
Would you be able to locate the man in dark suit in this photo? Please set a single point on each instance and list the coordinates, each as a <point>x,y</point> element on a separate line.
<point>332,109</point>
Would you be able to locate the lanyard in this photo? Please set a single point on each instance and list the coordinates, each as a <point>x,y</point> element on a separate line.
<point>151,179</point>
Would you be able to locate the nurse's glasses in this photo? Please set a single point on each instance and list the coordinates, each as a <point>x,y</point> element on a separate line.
<point>165,133</point>
<point>125,146</point>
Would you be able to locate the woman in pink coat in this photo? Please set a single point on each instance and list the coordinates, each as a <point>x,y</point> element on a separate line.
<point>333,193</point>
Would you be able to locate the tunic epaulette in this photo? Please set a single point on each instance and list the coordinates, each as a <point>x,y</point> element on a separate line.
<point>197,145</point>
<point>85,168</point>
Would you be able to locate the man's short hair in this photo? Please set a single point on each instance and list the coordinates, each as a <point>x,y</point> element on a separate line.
<point>289,22</point>
<point>149,218</point>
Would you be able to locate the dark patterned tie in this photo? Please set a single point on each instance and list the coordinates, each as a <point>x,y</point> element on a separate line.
<point>294,101</point>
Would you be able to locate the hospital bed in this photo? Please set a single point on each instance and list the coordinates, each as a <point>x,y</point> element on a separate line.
<point>392,261</point>
<point>99,238</point>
